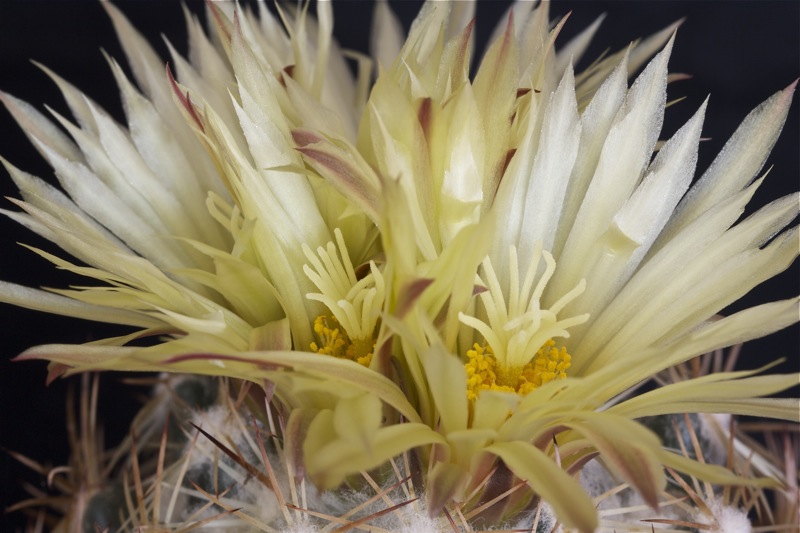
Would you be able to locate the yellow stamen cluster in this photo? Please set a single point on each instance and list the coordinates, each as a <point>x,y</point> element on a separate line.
<point>334,341</point>
<point>485,373</point>
<point>355,303</point>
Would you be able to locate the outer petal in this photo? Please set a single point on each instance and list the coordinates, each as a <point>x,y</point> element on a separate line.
<point>568,499</point>
<point>738,163</point>
<point>626,152</point>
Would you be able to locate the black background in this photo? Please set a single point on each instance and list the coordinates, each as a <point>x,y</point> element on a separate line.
<point>739,52</point>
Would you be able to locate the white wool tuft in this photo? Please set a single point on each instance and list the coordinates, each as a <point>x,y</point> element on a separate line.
<point>245,492</point>
<point>420,523</point>
<point>218,418</point>
<point>596,480</point>
<point>301,528</point>
<point>729,519</point>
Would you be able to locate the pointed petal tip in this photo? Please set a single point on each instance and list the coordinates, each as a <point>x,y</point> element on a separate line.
<point>31,354</point>
<point>7,99</point>
<point>237,26</point>
<point>509,25</point>
<point>111,9</point>
<point>678,76</point>
<point>55,371</point>
<point>671,41</point>
<point>185,100</point>
<point>219,19</point>
<point>467,32</point>
<point>677,24</point>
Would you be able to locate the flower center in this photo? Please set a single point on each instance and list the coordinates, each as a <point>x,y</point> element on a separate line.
<point>519,353</point>
<point>354,304</point>
<point>334,341</point>
<point>485,373</point>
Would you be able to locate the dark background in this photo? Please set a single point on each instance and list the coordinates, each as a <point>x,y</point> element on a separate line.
<point>739,52</point>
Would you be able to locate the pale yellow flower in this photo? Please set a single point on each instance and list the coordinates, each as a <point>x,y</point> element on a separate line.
<point>610,232</point>
<point>473,269</point>
<point>205,245</point>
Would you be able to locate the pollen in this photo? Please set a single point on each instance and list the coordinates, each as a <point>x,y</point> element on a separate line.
<point>484,372</point>
<point>334,341</point>
<point>354,303</point>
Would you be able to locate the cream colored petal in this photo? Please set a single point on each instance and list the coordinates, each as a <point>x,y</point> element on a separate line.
<point>102,169</point>
<point>159,149</point>
<point>710,472</point>
<point>537,58</point>
<point>399,147</point>
<point>242,284</point>
<point>460,148</point>
<point>572,505</point>
<point>78,355</point>
<point>147,67</point>
<point>647,47</point>
<point>453,275</point>
<point>626,152</point>
<point>316,116</point>
<point>700,395</point>
<point>734,279</point>
<point>291,194</point>
<point>272,39</point>
<point>209,90</point>
<point>666,264</point>
<point>260,83</point>
<point>357,378</point>
<point>636,55</point>
<point>423,37</point>
<point>204,56</point>
<point>651,205</point>
<point>125,156</point>
<point>44,196</point>
<point>521,12</point>
<point>727,270</point>
<point>596,122</point>
<point>328,464</point>
<point>48,302</point>
<point>634,228</point>
<point>282,199</point>
<point>627,449</point>
<point>387,35</point>
<point>148,70</point>
<point>461,16</point>
<point>531,198</point>
<point>79,104</point>
<point>447,382</point>
<point>740,327</point>
<point>492,408</point>
<point>572,52</point>
<point>97,200</point>
<point>737,164</point>
<point>31,223</point>
<point>37,127</point>
<point>495,89</point>
<point>619,374</point>
<point>343,168</point>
